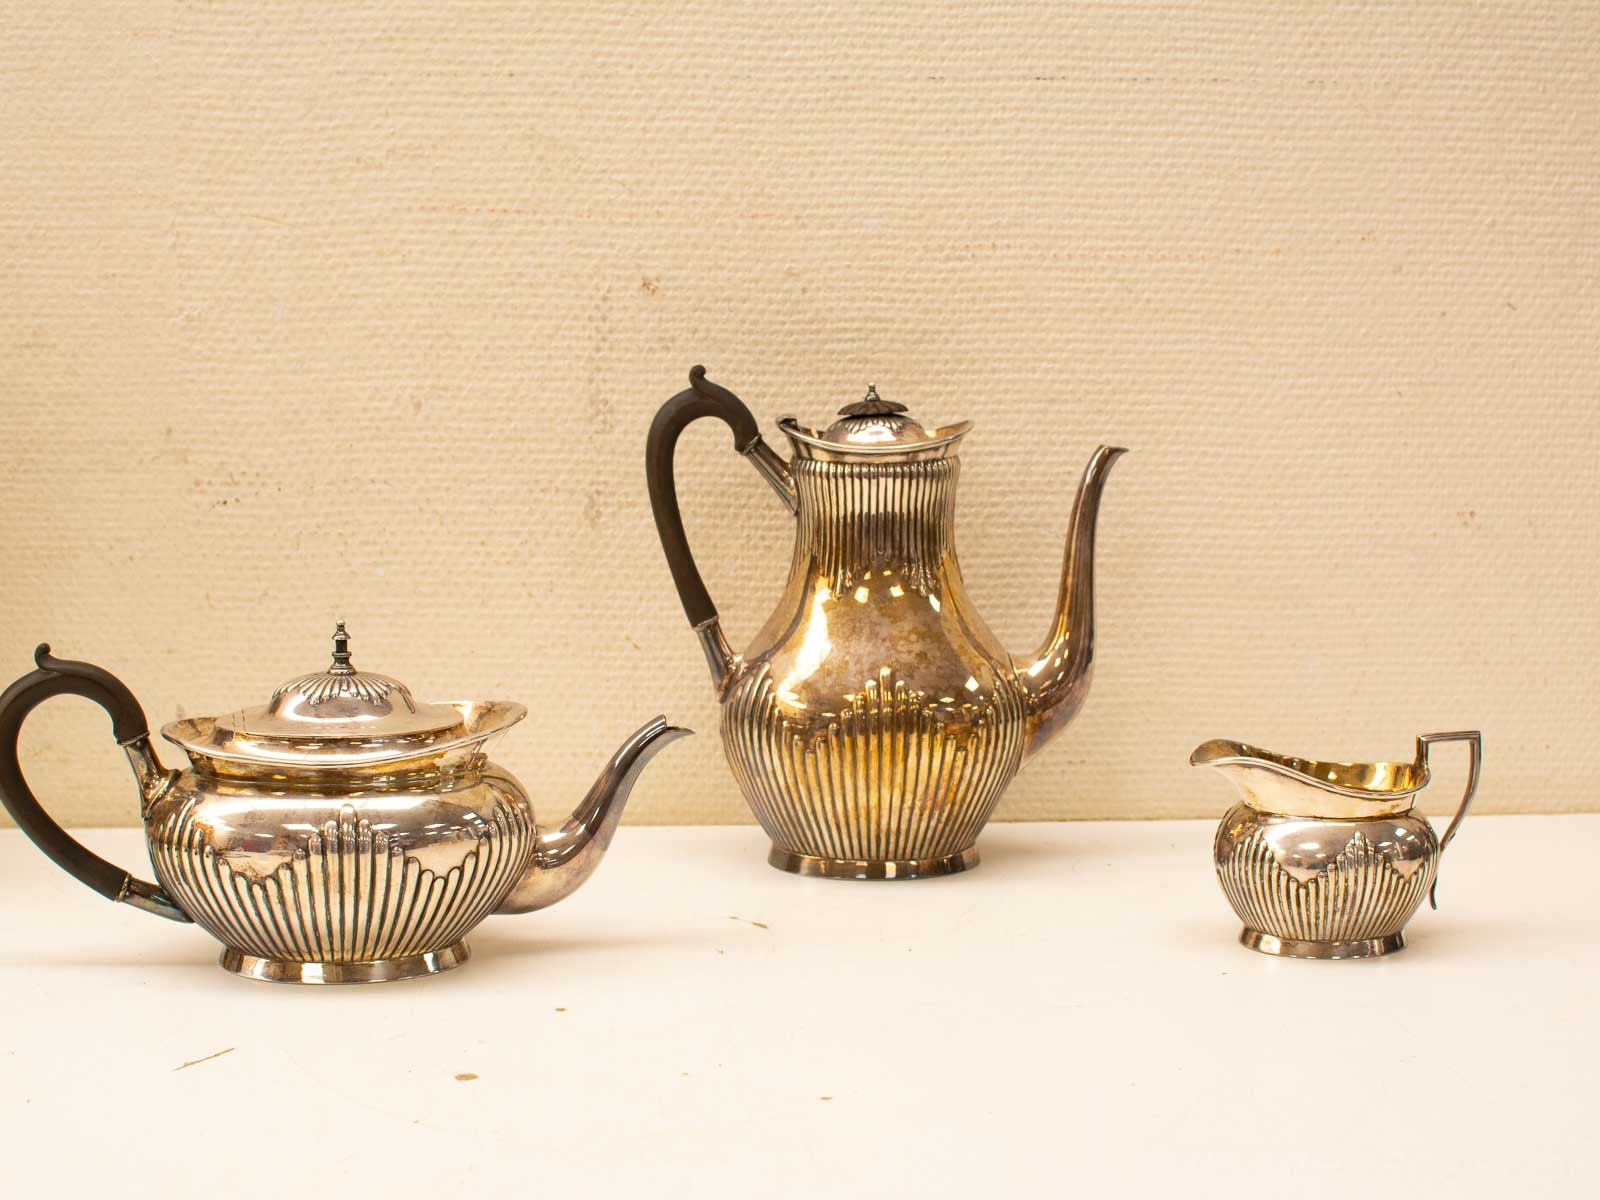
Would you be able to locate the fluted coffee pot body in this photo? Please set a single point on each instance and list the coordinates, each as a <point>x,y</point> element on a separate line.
<point>874,720</point>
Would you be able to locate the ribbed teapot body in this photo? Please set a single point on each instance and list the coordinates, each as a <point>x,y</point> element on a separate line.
<point>375,876</point>
<point>874,720</point>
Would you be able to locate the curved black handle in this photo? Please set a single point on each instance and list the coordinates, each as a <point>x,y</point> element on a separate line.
<point>57,677</point>
<point>701,398</point>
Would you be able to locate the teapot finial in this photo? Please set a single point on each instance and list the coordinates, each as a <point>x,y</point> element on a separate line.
<point>341,652</point>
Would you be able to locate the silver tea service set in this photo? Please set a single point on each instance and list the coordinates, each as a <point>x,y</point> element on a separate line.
<point>342,831</point>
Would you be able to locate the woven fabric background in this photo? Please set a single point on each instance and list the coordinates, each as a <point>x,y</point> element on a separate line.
<point>361,311</point>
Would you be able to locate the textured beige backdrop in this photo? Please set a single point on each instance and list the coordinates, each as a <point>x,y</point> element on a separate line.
<point>361,311</point>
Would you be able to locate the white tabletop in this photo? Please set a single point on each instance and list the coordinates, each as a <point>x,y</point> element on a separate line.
<point>1074,1014</point>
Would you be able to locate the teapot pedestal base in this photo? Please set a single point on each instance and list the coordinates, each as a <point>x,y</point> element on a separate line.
<point>1289,948</point>
<point>410,966</point>
<point>857,868</point>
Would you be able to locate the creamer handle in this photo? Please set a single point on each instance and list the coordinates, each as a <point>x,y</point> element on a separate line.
<point>56,677</point>
<point>1474,740</point>
<point>702,398</point>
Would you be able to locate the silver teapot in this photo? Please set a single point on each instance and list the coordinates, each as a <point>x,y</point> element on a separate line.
<point>342,832</point>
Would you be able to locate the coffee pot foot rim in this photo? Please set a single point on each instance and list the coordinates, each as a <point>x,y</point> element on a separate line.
<point>818,867</point>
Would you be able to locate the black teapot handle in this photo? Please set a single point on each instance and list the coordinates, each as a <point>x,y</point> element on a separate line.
<point>56,677</point>
<point>702,398</point>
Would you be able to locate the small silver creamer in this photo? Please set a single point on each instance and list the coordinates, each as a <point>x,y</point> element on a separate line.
<point>1328,859</point>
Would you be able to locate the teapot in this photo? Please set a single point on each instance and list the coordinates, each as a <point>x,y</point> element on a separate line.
<point>1329,859</point>
<point>342,832</point>
<point>874,721</point>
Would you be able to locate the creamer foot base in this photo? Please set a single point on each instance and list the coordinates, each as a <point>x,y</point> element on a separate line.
<point>1288,948</point>
<point>410,966</point>
<point>856,868</point>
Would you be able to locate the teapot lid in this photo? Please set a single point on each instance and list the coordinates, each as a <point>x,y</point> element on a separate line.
<point>340,716</point>
<point>876,427</point>
<point>341,702</point>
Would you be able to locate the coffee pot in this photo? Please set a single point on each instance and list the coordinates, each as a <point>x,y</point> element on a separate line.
<point>342,832</point>
<point>874,721</point>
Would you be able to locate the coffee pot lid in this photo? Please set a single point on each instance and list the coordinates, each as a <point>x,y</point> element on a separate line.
<point>874,421</point>
<point>877,428</point>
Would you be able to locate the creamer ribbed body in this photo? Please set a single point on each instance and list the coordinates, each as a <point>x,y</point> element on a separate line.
<point>875,721</point>
<point>1318,880</point>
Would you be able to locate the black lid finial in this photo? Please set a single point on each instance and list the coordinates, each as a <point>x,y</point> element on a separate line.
<point>341,652</point>
<point>872,405</point>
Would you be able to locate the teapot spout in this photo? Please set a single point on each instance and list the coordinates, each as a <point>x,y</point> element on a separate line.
<point>565,858</point>
<point>1056,677</point>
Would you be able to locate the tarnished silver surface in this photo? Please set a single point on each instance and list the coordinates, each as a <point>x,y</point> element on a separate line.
<point>345,833</point>
<point>874,721</point>
<point>1327,860</point>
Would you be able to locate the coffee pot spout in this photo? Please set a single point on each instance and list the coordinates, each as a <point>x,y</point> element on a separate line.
<point>566,857</point>
<point>1056,677</point>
